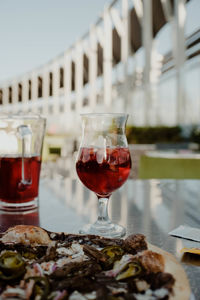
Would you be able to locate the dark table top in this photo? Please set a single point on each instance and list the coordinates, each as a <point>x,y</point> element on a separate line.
<point>151,207</point>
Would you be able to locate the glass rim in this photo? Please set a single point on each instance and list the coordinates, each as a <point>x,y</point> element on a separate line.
<point>22,117</point>
<point>104,114</point>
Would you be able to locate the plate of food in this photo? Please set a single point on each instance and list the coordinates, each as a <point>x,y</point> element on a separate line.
<point>39,264</point>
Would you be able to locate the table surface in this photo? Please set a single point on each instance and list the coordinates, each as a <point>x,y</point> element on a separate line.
<point>152,207</point>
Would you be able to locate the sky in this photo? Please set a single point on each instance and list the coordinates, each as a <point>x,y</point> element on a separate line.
<point>32,32</point>
<point>35,31</point>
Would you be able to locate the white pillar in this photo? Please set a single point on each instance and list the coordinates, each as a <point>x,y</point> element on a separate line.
<point>25,90</point>
<point>5,95</point>
<point>125,49</point>
<point>179,48</point>
<point>67,82</point>
<point>138,5</point>
<point>93,69</point>
<point>125,39</point>
<point>167,8</point>
<point>34,92</point>
<point>34,86</point>
<point>107,59</point>
<point>45,90</point>
<point>79,77</point>
<point>147,38</point>
<point>56,87</point>
<point>14,92</point>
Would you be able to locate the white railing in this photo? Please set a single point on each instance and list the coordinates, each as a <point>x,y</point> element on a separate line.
<point>100,72</point>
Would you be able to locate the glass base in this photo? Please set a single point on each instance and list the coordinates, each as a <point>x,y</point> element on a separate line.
<point>18,207</point>
<point>104,229</point>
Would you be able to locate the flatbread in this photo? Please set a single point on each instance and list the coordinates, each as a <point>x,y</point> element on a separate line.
<point>31,236</point>
<point>182,287</point>
<point>27,235</point>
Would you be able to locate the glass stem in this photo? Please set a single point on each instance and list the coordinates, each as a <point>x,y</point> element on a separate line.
<point>103,210</point>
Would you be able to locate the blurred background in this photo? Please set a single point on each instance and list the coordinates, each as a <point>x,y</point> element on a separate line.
<point>62,58</point>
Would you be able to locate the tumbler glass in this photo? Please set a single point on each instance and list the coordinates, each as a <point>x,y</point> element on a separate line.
<point>21,141</point>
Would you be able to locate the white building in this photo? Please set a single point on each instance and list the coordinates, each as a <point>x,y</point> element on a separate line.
<point>117,67</point>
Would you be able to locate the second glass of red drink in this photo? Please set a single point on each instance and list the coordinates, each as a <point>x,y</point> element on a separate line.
<point>21,140</point>
<point>103,165</point>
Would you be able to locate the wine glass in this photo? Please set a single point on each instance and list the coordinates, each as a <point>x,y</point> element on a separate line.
<point>103,165</point>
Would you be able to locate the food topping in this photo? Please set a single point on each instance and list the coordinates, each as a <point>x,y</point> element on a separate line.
<point>58,295</point>
<point>135,243</point>
<point>120,265</point>
<point>14,293</point>
<point>151,261</point>
<point>12,265</point>
<point>81,268</point>
<point>152,295</point>
<point>95,254</point>
<point>130,270</point>
<point>75,252</point>
<point>113,253</point>
<point>78,296</point>
<point>142,285</point>
<point>40,287</point>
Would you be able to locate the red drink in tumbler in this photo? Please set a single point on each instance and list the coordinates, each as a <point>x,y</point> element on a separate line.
<point>13,189</point>
<point>103,170</point>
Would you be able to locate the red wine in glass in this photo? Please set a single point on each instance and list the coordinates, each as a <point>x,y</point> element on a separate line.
<point>103,170</point>
<point>103,165</point>
<point>12,188</point>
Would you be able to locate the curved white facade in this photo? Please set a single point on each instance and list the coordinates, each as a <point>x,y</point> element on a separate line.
<point>100,73</point>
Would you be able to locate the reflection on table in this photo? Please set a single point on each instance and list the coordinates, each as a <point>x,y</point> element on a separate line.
<point>8,219</point>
